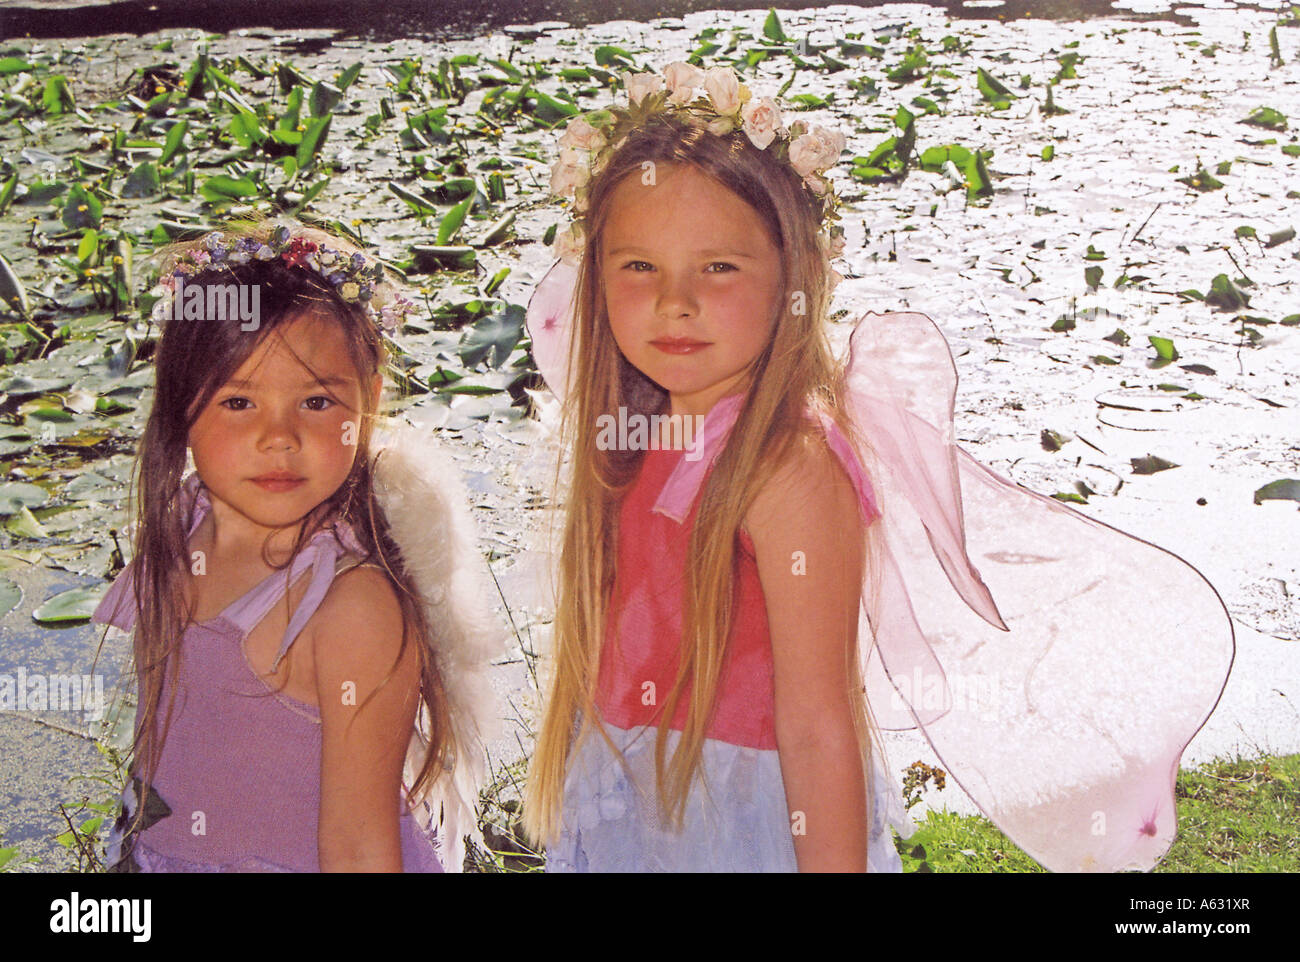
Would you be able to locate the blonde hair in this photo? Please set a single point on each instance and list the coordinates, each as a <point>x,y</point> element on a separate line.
<point>796,371</point>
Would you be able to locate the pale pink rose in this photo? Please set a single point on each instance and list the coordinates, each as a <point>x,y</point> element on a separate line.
<point>816,150</point>
<point>762,119</point>
<point>723,88</point>
<point>581,135</point>
<point>569,245</point>
<point>683,78</point>
<point>639,85</point>
<point>568,177</point>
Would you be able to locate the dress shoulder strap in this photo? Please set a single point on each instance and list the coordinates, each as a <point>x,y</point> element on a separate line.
<point>330,552</point>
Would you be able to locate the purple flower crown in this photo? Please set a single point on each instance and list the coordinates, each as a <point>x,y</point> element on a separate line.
<point>355,278</point>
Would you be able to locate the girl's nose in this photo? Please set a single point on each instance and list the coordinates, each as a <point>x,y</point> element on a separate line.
<point>279,432</point>
<point>677,296</point>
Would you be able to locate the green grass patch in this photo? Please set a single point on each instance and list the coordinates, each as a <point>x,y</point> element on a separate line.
<point>1239,815</point>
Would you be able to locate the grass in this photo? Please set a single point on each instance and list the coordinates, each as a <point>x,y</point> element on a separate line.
<point>1240,815</point>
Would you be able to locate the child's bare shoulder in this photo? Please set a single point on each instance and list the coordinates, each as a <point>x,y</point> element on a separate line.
<point>360,619</point>
<point>808,489</point>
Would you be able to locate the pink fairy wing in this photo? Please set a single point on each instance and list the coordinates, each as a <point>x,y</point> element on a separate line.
<point>1058,666</point>
<point>550,325</point>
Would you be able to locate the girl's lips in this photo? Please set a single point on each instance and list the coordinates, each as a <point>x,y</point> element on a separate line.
<point>278,482</point>
<point>679,345</point>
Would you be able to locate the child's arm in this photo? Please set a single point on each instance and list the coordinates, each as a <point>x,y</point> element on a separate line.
<point>808,538</point>
<point>363,743</point>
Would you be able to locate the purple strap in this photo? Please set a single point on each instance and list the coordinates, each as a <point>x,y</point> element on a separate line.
<point>320,554</point>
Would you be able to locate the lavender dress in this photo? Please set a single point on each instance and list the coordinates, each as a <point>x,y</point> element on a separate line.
<point>239,775</point>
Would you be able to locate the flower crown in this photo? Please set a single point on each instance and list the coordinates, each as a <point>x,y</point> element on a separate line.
<point>356,279</point>
<point>715,95</point>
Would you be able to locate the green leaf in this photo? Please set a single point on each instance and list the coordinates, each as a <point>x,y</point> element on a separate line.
<point>1052,440</point>
<point>245,129</point>
<point>416,202</point>
<point>611,56</point>
<point>40,192</point>
<point>221,187</point>
<point>349,76</point>
<point>1225,295</point>
<point>1266,117</point>
<point>451,223</point>
<point>772,27</point>
<point>1049,152</point>
<point>1285,489</point>
<point>498,334</point>
<point>1070,496</point>
<point>1202,180</point>
<point>550,110</point>
<point>978,182</point>
<point>1164,348</point>
<point>292,111</point>
<point>1150,464</point>
<point>143,181</point>
<point>933,158</point>
<point>10,65</point>
<point>175,140</point>
<point>7,192</point>
<point>69,606</point>
<point>89,244</point>
<point>24,524</point>
<point>313,139</point>
<point>993,89</point>
<point>82,209</point>
<point>324,98</point>
<point>11,596</point>
<point>57,96</point>
<point>16,494</point>
<point>12,293</point>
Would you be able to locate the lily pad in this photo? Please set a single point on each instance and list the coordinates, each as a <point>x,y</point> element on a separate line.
<point>1285,489</point>
<point>15,495</point>
<point>1150,464</point>
<point>11,596</point>
<point>69,607</point>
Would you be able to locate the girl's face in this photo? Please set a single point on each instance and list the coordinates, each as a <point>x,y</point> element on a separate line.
<point>691,281</point>
<point>272,443</point>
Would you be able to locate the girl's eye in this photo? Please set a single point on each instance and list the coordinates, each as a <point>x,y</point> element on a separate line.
<point>236,402</point>
<point>329,402</point>
<point>729,267</point>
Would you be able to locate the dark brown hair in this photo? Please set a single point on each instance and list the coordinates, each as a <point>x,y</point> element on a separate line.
<point>195,358</point>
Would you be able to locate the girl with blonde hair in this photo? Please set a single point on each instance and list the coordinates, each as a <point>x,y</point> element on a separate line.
<point>765,548</point>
